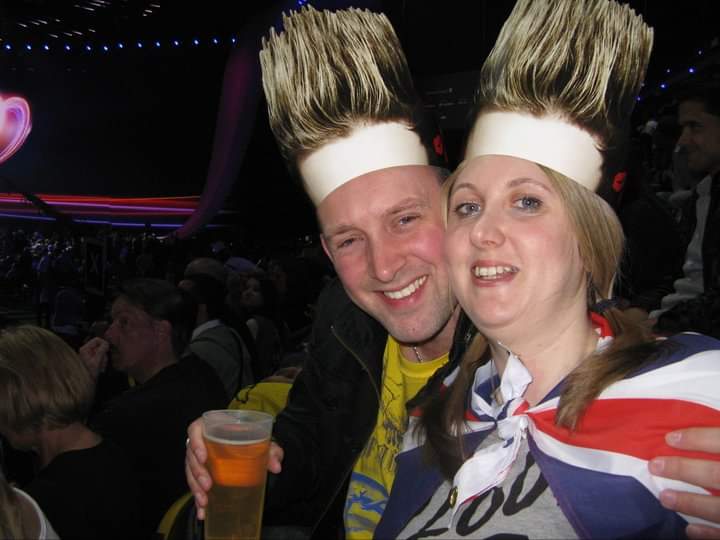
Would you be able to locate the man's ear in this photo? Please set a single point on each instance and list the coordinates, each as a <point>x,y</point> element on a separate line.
<point>326,249</point>
<point>164,328</point>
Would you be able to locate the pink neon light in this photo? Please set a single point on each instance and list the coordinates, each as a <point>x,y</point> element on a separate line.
<point>15,125</point>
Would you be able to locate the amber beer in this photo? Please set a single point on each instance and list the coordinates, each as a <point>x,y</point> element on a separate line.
<point>237,444</point>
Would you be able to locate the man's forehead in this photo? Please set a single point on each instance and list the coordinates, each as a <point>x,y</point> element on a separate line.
<point>694,110</point>
<point>122,307</point>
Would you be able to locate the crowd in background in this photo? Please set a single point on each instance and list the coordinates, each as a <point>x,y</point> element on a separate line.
<point>267,302</point>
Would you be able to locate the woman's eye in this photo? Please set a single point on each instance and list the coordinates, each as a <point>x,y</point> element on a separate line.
<point>528,203</point>
<point>467,209</point>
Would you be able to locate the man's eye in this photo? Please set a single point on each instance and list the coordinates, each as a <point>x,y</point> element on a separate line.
<point>466,209</point>
<point>405,220</point>
<point>345,243</point>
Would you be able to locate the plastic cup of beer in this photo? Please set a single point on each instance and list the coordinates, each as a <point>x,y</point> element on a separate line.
<point>237,446</point>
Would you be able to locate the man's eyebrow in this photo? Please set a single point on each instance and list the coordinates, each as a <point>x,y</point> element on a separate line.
<point>404,205</point>
<point>338,230</point>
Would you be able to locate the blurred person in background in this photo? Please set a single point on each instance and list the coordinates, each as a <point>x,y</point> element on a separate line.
<point>85,484</point>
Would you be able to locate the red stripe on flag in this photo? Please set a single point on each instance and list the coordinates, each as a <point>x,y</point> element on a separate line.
<point>635,427</point>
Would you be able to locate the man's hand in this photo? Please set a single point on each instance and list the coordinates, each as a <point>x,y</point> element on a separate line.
<point>703,473</point>
<point>198,476</point>
<point>95,355</point>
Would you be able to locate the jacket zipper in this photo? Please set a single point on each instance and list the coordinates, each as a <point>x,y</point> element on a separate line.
<point>349,469</point>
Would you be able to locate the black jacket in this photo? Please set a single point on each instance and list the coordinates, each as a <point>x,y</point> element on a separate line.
<point>701,314</point>
<point>331,413</point>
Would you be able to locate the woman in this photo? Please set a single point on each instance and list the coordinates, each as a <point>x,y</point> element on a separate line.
<point>21,517</point>
<point>558,389</point>
<point>84,485</point>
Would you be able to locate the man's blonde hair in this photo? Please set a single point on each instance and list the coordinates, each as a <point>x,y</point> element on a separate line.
<point>329,72</point>
<point>43,382</point>
<point>581,60</point>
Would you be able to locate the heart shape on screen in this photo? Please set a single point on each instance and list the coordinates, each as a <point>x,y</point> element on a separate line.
<point>15,125</point>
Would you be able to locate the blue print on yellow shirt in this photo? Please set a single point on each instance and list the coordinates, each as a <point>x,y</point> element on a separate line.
<point>364,504</point>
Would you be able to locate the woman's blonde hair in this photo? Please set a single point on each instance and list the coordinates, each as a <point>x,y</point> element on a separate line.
<point>43,382</point>
<point>11,515</point>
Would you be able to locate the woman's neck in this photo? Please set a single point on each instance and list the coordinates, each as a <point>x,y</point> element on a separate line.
<point>54,442</point>
<point>549,354</point>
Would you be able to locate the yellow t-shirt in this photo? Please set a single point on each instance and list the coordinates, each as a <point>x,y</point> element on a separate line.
<point>374,471</point>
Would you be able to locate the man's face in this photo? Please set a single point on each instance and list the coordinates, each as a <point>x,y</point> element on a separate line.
<point>700,137</point>
<point>133,336</point>
<point>384,233</point>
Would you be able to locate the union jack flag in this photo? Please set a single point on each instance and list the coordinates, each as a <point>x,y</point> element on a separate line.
<point>598,472</point>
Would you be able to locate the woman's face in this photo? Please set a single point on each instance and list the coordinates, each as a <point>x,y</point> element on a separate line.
<point>511,248</point>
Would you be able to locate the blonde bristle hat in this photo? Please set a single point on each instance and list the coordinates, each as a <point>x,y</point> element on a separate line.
<point>560,84</point>
<point>341,101</point>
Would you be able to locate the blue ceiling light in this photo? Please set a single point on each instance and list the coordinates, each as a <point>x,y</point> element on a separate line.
<point>106,48</point>
<point>67,47</point>
<point>28,47</point>
<point>8,46</point>
<point>46,47</point>
<point>176,43</point>
<point>121,46</point>
<point>663,86</point>
<point>139,45</point>
<point>215,40</point>
<point>88,48</point>
<point>691,70</point>
<point>195,41</point>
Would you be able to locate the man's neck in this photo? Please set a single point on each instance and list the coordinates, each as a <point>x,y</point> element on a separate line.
<point>436,346</point>
<point>147,370</point>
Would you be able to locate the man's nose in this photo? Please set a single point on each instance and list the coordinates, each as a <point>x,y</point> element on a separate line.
<point>385,260</point>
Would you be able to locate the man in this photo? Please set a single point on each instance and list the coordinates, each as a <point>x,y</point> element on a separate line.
<point>151,322</point>
<point>221,346</point>
<point>690,305</point>
<point>347,120</point>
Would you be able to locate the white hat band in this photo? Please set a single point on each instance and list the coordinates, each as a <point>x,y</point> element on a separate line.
<point>368,148</point>
<point>548,141</point>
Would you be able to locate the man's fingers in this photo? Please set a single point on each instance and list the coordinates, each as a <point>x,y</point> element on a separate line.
<point>198,476</point>
<point>702,439</point>
<point>702,506</point>
<point>699,472</point>
<point>702,532</point>
<point>275,458</point>
<point>196,442</point>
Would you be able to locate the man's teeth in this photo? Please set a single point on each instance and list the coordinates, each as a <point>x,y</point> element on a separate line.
<point>407,291</point>
<point>493,272</point>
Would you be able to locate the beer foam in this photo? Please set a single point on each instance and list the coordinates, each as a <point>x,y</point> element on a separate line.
<point>221,440</point>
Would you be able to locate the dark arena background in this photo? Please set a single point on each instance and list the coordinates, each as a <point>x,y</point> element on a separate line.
<point>147,115</point>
